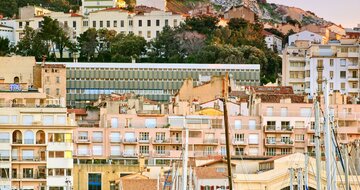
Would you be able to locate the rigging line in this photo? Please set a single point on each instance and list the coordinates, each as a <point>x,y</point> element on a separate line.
<point>338,170</point>
<point>355,171</point>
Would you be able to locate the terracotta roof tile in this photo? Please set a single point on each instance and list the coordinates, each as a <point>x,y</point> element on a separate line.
<point>139,184</point>
<point>77,111</point>
<point>210,173</point>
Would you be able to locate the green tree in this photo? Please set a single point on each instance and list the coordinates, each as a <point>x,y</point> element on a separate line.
<point>87,43</point>
<point>203,24</point>
<point>4,46</point>
<point>105,37</point>
<point>126,47</point>
<point>31,44</point>
<point>8,8</point>
<point>165,47</point>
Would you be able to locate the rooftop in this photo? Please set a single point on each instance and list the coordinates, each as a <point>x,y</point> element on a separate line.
<point>210,173</point>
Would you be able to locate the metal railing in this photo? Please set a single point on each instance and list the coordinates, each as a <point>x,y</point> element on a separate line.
<point>211,141</point>
<point>97,139</point>
<point>130,140</point>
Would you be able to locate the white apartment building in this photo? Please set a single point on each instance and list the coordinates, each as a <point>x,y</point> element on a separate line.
<point>306,66</point>
<point>146,24</point>
<point>308,36</point>
<point>91,5</point>
<point>35,148</point>
<point>7,30</point>
<point>273,42</point>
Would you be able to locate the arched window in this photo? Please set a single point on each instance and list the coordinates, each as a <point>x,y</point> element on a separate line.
<point>29,137</point>
<point>16,80</point>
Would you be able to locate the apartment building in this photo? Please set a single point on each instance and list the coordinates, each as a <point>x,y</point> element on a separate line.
<point>147,22</point>
<point>307,65</point>
<point>86,81</point>
<point>88,6</point>
<point>35,133</point>
<point>273,42</point>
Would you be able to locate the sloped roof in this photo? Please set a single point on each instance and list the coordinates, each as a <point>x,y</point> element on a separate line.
<point>139,184</point>
<point>210,173</point>
<point>77,111</point>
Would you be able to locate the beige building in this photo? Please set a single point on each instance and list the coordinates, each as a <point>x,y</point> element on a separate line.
<point>240,12</point>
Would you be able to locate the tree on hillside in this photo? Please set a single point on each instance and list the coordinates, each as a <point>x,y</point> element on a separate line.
<point>105,38</point>
<point>203,24</point>
<point>31,44</point>
<point>87,43</point>
<point>4,46</point>
<point>165,47</point>
<point>126,47</point>
<point>8,8</point>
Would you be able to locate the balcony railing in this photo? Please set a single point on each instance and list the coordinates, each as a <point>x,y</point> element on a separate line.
<point>239,141</point>
<point>272,141</point>
<point>4,140</point>
<point>130,154</point>
<point>144,140</point>
<point>97,139</point>
<point>28,158</point>
<point>211,141</point>
<point>83,139</point>
<point>130,140</point>
<point>115,140</point>
<point>29,141</point>
<point>272,128</point>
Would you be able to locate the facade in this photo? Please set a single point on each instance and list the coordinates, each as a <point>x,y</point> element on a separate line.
<point>240,12</point>
<point>308,36</point>
<point>88,6</point>
<point>306,67</point>
<point>145,21</point>
<point>273,42</point>
<point>159,4</point>
<point>7,30</point>
<point>86,81</point>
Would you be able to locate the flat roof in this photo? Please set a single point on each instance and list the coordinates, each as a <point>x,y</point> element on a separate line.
<point>158,65</point>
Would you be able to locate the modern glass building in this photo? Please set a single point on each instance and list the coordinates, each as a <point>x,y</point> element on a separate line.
<point>86,81</point>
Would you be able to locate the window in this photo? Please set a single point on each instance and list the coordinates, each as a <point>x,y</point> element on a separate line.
<point>83,135</point>
<point>115,137</point>
<point>4,174</point>
<point>94,182</point>
<point>47,91</point>
<point>237,124</point>
<point>299,124</point>
<point>148,35</point>
<point>269,111</point>
<point>115,150</point>
<point>28,173</point>
<point>140,23</point>
<point>29,137</point>
<point>130,23</point>
<point>299,137</point>
<point>331,86</point>
<point>160,149</point>
<point>160,136</point>
<point>342,74</point>
<point>140,33</point>
<point>122,23</point>
<point>144,150</point>
<point>331,62</point>
<point>97,150</point>
<point>175,23</point>
<point>57,91</point>
<point>56,154</point>
<point>85,23</point>
<point>239,137</point>
<point>342,86</point>
<point>94,24</point>
<point>252,125</point>
<point>144,136</point>
<point>4,155</point>
<point>253,138</point>
<point>108,24</point>
<point>101,24</point>
<point>166,22</point>
<point>61,119</point>
<point>239,151</point>
<point>114,122</point>
<point>48,120</point>
<point>4,137</point>
<point>57,79</point>
<point>285,151</point>
<point>342,62</point>
<point>331,74</point>
<point>157,22</point>
<point>115,23</point>
<point>150,123</point>
<point>305,112</point>
<point>74,24</point>
<point>253,151</point>
<point>20,24</point>
<point>97,136</point>
<point>148,22</point>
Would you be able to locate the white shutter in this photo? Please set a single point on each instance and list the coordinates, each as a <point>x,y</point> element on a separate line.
<point>237,124</point>
<point>115,150</point>
<point>252,124</point>
<point>4,119</point>
<point>14,119</point>
<point>27,119</point>
<point>4,137</point>
<point>97,150</point>
<point>97,135</point>
<point>305,112</point>
<point>61,119</point>
<point>150,123</point>
<point>253,151</point>
<point>48,120</point>
<point>4,154</point>
<point>27,154</point>
<point>114,122</point>
<point>253,138</point>
<point>283,112</point>
<point>115,137</point>
<point>83,150</point>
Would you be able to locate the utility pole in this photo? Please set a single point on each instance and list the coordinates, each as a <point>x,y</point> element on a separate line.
<point>185,157</point>
<point>327,140</point>
<point>299,178</point>
<point>306,175</point>
<point>317,145</point>
<point>291,178</point>
<point>346,165</point>
<point>226,121</point>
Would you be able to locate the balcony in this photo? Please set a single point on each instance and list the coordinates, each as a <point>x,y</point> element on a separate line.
<point>4,140</point>
<point>4,158</point>
<point>144,140</point>
<point>97,139</point>
<point>171,140</point>
<point>130,154</point>
<point>273,129</point>
<point>167,153</point>
<point>237,141</point>
<point>203,153</point>
<point>29,177</point>
<point>279,142</point>
<point>270,153</point>
<point>130,140</point>
<point>28,159</point>
<point>211,141</point>
<point>83,139</point>
<point>115,140</point>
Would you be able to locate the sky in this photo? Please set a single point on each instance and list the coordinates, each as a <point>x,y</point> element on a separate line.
<point>344,12</point>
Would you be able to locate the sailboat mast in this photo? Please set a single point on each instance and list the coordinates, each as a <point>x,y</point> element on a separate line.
<point>317,145</point>
<point>306,177</point>
<point>185,157</point>
<point>346,166</point>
